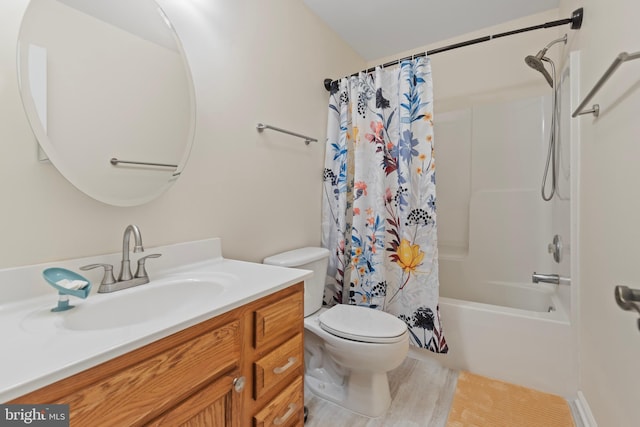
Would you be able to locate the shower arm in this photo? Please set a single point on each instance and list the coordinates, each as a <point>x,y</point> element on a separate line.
<point>541,54</point>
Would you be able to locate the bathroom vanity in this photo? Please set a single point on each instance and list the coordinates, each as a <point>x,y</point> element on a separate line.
<point>238,362</point>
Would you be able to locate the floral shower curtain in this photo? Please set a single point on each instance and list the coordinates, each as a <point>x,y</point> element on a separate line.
<point>379,201</point>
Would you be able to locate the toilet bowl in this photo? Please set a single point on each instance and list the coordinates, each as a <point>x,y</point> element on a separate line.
<point>350,369</point>
<point>348,349</point>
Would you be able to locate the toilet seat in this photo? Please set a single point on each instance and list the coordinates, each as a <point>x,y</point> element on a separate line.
<point>362,324</point>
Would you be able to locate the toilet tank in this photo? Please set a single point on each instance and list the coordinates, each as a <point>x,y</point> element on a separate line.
<point>314,259</point>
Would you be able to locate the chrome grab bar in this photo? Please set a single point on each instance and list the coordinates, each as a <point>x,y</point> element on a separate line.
<point>595,109</point>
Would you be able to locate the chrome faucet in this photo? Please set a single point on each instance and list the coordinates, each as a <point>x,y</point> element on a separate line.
<point>125,278</point>
<point>125,265</point>
<point>546,278</point>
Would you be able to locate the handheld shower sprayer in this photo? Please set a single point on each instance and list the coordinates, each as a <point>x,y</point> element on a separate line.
<point>535,61</point>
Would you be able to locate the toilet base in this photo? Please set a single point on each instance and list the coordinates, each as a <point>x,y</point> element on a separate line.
<point>364,393</point>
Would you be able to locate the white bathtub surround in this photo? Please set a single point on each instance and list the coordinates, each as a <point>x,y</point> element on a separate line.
<point>42,347</point>
<point>490,164</point>
<point>498,323</point>
<point>379,217</point>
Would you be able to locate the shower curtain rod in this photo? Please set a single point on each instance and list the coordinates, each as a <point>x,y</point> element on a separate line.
<point>575,21</point>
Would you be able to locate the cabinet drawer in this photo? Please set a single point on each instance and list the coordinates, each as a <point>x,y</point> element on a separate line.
<point>286,409</point>
<point>277,322</point>
<point>278,365</point>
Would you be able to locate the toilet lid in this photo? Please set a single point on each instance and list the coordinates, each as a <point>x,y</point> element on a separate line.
<point>362,324</point>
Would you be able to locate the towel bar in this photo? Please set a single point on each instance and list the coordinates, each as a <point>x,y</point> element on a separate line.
<point>114,161</point>
<point>307,139</point>
<point>595,109</point>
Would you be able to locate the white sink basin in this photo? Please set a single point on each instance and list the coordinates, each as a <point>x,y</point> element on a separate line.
<point>144,303</point>
<point>175,297</point>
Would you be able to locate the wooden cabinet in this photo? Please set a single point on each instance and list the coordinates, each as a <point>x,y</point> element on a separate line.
<point>191,377</point>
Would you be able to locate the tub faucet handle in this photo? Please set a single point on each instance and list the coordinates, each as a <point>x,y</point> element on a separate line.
<point>555,248</point>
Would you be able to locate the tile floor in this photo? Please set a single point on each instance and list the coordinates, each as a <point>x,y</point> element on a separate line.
<point>422,393</point>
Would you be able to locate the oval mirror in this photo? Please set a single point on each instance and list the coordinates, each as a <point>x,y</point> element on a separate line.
<point>103,80</point>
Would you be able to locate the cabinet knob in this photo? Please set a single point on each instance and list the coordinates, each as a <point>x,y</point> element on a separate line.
<point>238,384</point>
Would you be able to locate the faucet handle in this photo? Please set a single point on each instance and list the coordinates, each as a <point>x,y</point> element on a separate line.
<point>141,271</point>
<point>108,277</point>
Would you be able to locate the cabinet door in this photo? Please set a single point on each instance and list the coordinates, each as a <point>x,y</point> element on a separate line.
<point>146,386</point>
<point>215,405</point>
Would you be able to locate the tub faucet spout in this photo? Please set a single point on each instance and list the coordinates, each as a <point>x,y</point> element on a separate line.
<point>545,278</point>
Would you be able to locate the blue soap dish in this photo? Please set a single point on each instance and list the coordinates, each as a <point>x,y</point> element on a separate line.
<point>54,275</point>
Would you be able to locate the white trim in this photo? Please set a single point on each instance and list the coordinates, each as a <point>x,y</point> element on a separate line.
<point>575,142</point>
<point>584,412</point>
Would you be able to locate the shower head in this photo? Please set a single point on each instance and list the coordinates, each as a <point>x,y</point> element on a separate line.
<point>535,62</point>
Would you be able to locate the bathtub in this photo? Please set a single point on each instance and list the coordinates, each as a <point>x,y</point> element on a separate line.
<point>519,333</point>
<point>493,233</point>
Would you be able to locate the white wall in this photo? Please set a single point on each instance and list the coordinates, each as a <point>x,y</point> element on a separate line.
<point>252,61</point>
<point>609,230</point>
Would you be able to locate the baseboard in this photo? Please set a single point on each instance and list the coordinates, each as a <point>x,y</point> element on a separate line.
<point>582,412</point>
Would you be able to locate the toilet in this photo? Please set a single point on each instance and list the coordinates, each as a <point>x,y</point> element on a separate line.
<point>348,349</point>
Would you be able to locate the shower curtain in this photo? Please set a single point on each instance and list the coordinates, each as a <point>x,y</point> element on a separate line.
<point>379,200</point>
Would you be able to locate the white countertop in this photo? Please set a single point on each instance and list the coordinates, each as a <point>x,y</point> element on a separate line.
<point>38,350</point>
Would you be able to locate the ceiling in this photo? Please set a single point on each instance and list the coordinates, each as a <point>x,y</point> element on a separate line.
<point>380,28</point>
